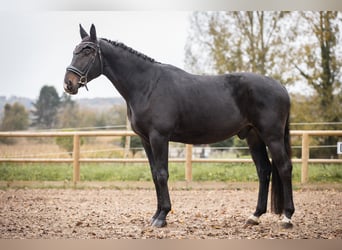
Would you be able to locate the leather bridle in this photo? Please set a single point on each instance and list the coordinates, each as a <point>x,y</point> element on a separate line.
<point>83,73</point>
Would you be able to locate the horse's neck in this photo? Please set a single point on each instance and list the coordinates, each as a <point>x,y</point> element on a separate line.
<point>128,72</point>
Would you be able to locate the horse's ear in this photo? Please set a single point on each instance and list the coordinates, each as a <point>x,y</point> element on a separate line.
<point>83,33</point>
<point>93,33</point>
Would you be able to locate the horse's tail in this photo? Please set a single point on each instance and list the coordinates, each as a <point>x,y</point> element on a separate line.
<point>287,139</point>
<point>277,193</point>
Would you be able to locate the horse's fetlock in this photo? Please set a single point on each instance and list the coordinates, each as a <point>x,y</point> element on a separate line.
<point>167,209</point>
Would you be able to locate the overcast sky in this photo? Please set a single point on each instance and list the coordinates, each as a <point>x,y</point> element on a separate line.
<point>37,46</point>
<point>37,43</point>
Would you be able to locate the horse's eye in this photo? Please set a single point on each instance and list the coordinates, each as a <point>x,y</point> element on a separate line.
<point>87,51</point>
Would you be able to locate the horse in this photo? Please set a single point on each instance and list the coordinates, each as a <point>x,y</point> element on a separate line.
<point>165,103</point>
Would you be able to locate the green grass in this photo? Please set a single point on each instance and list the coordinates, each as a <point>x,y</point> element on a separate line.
<point>141,172</point>
<point>35,172</point>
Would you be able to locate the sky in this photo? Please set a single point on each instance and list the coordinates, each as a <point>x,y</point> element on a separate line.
<point>38,37</point>
<point>37,46</point>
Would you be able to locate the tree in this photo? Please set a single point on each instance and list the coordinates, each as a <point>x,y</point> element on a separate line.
<point>319,62</point>
<point>238,41</point>
<point>15,118</point>
<point>46,108</point>
<point>68,115</point>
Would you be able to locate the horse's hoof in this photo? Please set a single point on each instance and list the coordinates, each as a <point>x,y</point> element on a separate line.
<point>252,221</point>
<point>285,225</point>
<point>159,223</point>
<point>152,220</point>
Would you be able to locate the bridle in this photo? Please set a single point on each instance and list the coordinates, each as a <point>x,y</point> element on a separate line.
<point>83,73</point>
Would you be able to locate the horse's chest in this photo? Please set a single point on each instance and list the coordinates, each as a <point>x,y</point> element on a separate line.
<point>140,121</point>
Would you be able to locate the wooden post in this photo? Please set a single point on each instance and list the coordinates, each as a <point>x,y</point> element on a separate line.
<point>305,158</point>
<point>76,159</point>
<point>127,139</point>
<point>188,162</point>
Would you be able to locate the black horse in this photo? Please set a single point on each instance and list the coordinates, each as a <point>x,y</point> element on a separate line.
<point>165,103</point>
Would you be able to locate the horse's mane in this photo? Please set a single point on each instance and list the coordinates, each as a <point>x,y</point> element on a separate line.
<point>129,49</point>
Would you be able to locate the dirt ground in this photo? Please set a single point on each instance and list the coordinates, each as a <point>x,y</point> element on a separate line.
<point>125,214</point>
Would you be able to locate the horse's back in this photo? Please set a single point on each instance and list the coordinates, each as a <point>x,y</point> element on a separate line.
<point>231,93</point>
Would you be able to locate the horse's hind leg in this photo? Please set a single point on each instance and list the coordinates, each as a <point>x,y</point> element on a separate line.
<point>282,179</point>
<point>259,154</point>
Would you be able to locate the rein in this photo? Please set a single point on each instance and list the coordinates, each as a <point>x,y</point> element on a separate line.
<point>83,73</point>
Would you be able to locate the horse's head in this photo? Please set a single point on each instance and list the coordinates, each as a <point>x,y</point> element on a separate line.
<point>86,63</point>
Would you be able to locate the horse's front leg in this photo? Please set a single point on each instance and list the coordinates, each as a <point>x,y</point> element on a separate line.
<point>148,150</point>
<point>160,147</point>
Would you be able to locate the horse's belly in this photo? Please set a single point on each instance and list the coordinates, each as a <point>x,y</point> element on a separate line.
<point>194,138</point>
<point>200,134</point>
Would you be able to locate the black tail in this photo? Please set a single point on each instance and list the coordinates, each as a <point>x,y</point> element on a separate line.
<point>277,193</point>
<point>287,139</point>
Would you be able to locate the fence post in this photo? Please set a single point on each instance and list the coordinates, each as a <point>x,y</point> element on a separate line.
<point>127,139</point>
<point>188,162</point>
<point>76,159</point>
<point>305,158</point>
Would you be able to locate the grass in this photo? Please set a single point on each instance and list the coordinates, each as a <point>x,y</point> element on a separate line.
<point>141,172</point>
<point>237,172</point>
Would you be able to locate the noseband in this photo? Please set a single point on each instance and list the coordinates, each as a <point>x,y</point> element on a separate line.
<point>83,73</point>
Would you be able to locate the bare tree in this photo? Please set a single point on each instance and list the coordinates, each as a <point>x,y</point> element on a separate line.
<point>221,42</point>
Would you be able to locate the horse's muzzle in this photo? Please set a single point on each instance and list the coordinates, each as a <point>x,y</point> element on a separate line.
<point>71,83</point>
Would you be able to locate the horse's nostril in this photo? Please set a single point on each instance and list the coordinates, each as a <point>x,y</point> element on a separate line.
<point>69,85</point>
